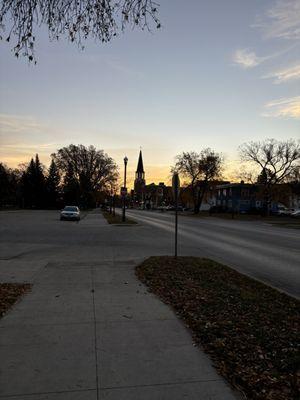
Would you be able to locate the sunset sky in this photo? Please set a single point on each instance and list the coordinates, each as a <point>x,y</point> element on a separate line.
<point>218,73</point>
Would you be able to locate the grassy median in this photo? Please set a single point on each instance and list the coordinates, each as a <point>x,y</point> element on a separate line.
<point>117,219</point>
<point>10,293</point>
<point>250,330</point>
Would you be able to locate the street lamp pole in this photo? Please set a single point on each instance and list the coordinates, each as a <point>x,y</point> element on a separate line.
<point>124,195</point>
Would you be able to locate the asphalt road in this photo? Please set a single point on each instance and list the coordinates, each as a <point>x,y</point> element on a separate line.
<point>268,253</point>
<point>265,252</point>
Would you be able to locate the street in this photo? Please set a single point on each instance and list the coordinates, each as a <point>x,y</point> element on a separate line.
<point>268,253</point>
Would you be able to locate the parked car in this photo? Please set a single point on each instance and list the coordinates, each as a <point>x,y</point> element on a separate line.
<point>70,213</point>
<point>283,212</point>
<point>296,214</point>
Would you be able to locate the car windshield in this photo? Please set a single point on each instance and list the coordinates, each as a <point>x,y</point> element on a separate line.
<point>69,208</point>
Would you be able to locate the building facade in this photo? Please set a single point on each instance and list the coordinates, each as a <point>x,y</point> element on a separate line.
<point>245,197</point>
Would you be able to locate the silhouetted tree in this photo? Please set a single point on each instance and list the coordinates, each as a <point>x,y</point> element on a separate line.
<point>263,177</point>
<point>5,185</point>
<point>86,171</point>
<point>199,169</point>
<point>52,185</point>
<point>71,187</point>
<point>9,186</point>
<point>76,19</point>
<point>277,160</point>
<point>33,184</point>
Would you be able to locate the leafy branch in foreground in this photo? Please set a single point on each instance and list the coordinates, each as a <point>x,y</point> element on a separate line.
<point>76,19</point>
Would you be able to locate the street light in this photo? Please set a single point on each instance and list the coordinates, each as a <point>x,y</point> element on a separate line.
<point>125,190</point>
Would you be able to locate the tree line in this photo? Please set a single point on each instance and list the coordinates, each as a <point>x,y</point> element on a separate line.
<point>269,163</point>
<point>76,175</point>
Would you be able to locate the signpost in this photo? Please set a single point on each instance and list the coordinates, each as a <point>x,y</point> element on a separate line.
<point>124,189</point>
<point>176,186</point>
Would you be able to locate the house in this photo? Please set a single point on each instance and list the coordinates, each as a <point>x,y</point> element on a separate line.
<point>246,197</point>
<point>209,199</point>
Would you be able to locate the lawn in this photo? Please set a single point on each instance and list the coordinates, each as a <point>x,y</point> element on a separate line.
<point>250,330</point>
<point>9,294</point>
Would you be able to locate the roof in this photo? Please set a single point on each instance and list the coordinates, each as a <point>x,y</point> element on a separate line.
<point>231,185</point>
<point>140,166</point>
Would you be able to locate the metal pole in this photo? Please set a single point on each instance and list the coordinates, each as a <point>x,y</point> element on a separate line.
<point>110,203</point>
<point>124,196</point>
<point>176,219</point>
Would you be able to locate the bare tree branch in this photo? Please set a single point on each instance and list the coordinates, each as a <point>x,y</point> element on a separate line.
<point>76,19</point>
<point>278,160</point>
<point>199,169</point>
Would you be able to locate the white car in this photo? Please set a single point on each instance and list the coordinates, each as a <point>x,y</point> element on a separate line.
<point>296,214</point>
<point>70,213</point>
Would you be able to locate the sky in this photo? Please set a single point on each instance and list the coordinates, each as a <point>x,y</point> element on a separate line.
<point>217,74</point>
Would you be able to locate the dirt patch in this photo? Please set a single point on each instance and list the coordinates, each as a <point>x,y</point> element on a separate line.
<point>117,219</point>
<point>9,294</point>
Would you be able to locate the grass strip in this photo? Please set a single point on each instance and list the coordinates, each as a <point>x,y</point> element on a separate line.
<point>10,293</point>
<point>117,219</point>
<point>250,330</point>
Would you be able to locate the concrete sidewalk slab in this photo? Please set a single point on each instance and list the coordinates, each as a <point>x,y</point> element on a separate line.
<point>121,301</point>
<point>52,276</point>
<point>71,395</point>
<point>209,390</point>
<point>19,270</point>
<point>46,358</point>
<point>61,305</point>
<point>89,329</point>
<point>149,353</point>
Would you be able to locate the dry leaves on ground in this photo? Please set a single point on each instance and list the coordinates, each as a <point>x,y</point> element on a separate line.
<point>250,330</point>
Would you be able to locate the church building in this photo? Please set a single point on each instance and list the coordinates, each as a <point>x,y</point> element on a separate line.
<point>148,196</point>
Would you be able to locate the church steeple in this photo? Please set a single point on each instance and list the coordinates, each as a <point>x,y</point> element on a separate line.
<point>139,182</point>
<point>140,166</point>
<point>140,173</point>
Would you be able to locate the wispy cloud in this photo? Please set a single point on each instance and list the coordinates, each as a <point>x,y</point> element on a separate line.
<point>283,108</point>
<point>247,58</point>
<point>282,20</point>
<point>22,136</point>
<point>285,75</point>
<point>15,124</point>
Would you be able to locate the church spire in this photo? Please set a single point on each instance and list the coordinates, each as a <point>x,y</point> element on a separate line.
<point>140,166</point>
<point>139,182</point>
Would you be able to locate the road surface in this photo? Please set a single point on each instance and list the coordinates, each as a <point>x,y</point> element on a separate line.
<point>260,250</point>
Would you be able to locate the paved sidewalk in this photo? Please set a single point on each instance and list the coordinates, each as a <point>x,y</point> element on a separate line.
<point>90,330</point>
